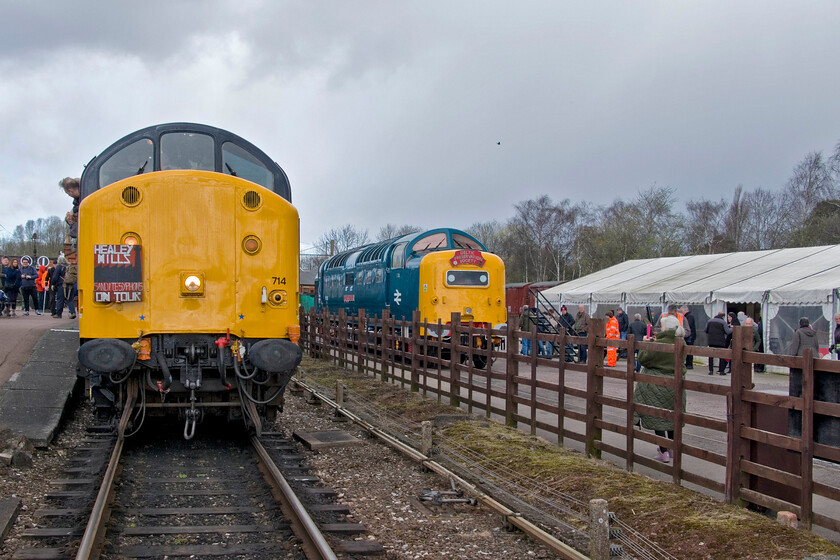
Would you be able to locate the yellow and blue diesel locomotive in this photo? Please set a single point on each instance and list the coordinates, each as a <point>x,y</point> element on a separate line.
<point>437,272</point>
<point>188,257</point>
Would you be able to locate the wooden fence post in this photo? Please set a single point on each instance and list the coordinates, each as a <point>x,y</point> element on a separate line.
<point>535,351</point>
<point>561,384</point>
<point>806,500</point>
<point>511,370</point>
<point>679,403</point>
<point>383,345</point>
<point>455,361</point>
<point>594,385</point>
<point>631,380</point>
<point>737,413</point>
<point>414,336</point>
<point>342,338</point>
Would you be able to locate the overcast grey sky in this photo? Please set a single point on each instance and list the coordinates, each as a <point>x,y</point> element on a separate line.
<point>387,111</point>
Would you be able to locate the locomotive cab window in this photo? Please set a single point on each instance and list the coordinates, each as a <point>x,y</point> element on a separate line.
<point>186,150</point>
<point>398,256</point>
<point>431,242</point>
<point>463,242</point>
<point>134,159</point>
<point>238,162</point>
<point>348,279</point>
<point>477,278</point>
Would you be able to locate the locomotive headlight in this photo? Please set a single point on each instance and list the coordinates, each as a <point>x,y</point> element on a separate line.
<point>468,311</point>
<point>192,284</point>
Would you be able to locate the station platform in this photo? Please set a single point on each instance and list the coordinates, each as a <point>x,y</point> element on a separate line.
<point>33,400</point>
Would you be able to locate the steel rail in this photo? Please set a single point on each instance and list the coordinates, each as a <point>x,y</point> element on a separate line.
<point>559,547</point>
<point>314,543</point>
<point>100,513</point>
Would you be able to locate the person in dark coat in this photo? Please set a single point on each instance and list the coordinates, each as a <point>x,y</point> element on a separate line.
<point>639,330</point>
<point>688,316</point>
<point>11,285</point>
<point>623,325</point>
<point>717,331</point>
<point>582,329</point>
<point>804,337</point>
<point>566,321</point>
<point>57,285</point>
<point>28,276</point>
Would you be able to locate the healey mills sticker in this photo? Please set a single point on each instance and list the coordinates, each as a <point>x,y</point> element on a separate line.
<point>117,273</point>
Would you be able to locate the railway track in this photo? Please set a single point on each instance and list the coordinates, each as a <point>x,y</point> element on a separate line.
<point>222,496</point>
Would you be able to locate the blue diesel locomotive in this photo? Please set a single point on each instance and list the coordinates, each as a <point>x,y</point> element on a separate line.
<point>437,272</point>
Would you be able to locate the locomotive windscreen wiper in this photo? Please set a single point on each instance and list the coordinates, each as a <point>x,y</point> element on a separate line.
<point>142,168</point>
<point>232,172</point>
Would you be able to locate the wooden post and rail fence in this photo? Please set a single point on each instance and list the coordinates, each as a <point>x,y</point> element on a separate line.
<point>759,459</point>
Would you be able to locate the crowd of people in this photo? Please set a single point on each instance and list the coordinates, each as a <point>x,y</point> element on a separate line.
<point>675,322</point>
<point>49,287</point>
<point>30,291</point>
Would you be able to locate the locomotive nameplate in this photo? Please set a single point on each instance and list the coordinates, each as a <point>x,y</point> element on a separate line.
<point>467,257</point>
<point>117,273</point>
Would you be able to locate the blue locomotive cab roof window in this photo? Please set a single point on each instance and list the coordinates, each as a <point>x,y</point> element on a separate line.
<point>186,150</point>
<point>134,159</point>
<point>463,242</point>
<point>241,163</point>
<point>461,278</point>
<point>431,242</point>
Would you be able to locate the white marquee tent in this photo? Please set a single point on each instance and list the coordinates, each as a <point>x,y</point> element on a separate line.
<point>781,285</point>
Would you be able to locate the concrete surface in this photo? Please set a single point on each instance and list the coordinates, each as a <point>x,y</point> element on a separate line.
<point>37,373</point>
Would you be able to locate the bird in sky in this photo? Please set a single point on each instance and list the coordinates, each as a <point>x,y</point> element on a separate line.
<point>499,143</point>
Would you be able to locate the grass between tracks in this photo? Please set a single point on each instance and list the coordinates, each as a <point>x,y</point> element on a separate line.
<point>684,523</point>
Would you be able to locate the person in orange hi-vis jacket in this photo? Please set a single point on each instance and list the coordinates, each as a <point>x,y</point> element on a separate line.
<point>612,332</point>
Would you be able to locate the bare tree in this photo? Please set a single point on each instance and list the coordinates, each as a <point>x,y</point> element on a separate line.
<point>704,226</point>
<point>491,234</point>
<point>341,239</point>
<point>390,231</point>
<point>535,226</point>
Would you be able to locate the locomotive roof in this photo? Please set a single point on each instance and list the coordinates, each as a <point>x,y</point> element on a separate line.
<point>380,250</point>
<point>231,154</point>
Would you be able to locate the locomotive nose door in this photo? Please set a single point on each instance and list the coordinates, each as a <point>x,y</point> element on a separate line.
<point>197,246</point>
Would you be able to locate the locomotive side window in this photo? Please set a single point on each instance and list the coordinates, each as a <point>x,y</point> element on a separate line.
<point>463,242</point>
<point>186,150</point>
<point>360,278</point>
<point>348,279</point>
<point>430,243</point>
<point>368,277</point>
<point>134,159</point>
<point>467,278</point>
<point>238,162</point>
<point>398,256</point>
<point>378,275</point>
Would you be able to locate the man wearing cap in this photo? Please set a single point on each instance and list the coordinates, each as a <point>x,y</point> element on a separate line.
<point>566,321</point>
